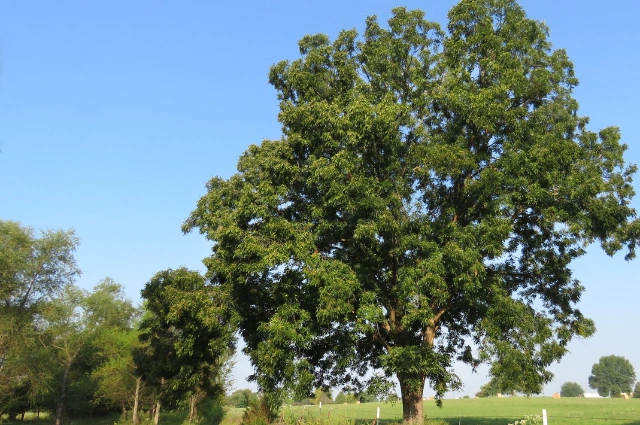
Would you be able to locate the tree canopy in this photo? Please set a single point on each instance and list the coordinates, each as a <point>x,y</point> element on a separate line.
<point>35,267</point>
<point>571,389</point>
<point>611,376</point>
<point>188,335</point>
<point>428,194</point>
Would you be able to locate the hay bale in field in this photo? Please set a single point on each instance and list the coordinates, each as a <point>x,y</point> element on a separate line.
<point>431,398</point>
<point>499,395</point>
<point>624,396</point>
<point>556,395</point>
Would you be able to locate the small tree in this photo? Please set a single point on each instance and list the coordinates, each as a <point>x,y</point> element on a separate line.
<point>571,389</point>
<point>636,390</point>
<point>611,376</point>
<point>241,398</point>
<point>341,398</point>
<point>322,396</point>
<point>188,335</point>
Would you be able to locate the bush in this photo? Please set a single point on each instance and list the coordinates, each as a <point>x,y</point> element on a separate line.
<point>636,390</point>
<point>257,413</point>
<point>571,389</point>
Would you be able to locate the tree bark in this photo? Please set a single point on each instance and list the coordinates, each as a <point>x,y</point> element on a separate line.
<point>63,390</point>
<point>192,408</point>
<point>156,417</point>
<point>136,402</point>
<point>412,411</point>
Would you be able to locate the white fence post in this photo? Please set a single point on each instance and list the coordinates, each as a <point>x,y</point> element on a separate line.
<point>377,414</point>
<point>544,417</point>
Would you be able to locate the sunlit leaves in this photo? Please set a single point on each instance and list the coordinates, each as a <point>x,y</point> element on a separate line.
<point>429,193</point>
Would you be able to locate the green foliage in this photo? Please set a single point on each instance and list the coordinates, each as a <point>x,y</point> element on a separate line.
<point>258,413</point>
<point>322,396</point>
<point>241,398</point>
<point>636,390</point>
<point>83,337</point>
<point>187,333</point>
<point>115,376</point>
<point>34,268</point>
<point>212,411</point>
<point>571,389</point>
<point>611,376</point>
<point>341,398</point>
<point>430,190</point>
<point>488,390</point>
<point>529,420</point>
<point>498,385</point>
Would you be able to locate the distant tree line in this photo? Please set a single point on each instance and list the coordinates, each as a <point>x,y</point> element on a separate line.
<point>72,353</point>
<point>612,376</point>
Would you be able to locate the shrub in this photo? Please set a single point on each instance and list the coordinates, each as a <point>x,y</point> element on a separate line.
<point>257,413</point>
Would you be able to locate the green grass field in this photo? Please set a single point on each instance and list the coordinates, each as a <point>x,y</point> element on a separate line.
<point>486,411</point>
<point>493,411</point>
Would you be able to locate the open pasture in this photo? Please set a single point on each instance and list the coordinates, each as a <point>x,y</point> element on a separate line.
<point>486,411</point>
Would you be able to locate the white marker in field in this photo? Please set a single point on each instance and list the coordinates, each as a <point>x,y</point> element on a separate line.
<point>544,416</point>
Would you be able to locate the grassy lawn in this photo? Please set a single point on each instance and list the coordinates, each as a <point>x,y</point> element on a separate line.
<point>492,411</point>
<point>487,411</point>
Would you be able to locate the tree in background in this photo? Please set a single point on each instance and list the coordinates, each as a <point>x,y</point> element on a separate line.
<point>497,385</point>
<point>188,333</point>
<point>75,331</point>
<point>114,374</point>
<point>64,334</point>
<point>241,398</point>
<point>571,389</point>
<point>429,193</point>
<point>341,398</point>
<point>34,267</point>
<point>322,396</point>
<point>636,390</point>
<point>611,376</point>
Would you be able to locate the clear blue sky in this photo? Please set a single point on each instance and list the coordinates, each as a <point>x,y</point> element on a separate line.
<point>114,114</point>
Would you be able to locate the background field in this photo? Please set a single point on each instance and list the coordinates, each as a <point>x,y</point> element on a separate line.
<point>493,411</point>
<point>486,411</point>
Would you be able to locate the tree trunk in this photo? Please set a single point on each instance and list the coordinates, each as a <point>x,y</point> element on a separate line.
<point>156,417</point>
<point>63,390</point>
<point>136,401</point>
<point>411,388</point>
<point>192,408</point>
